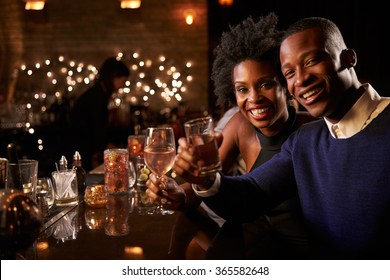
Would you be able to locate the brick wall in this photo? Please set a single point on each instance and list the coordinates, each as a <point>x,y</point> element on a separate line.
<point>88,31</point>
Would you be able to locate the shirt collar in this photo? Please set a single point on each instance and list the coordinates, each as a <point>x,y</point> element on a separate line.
<point>356,117</point>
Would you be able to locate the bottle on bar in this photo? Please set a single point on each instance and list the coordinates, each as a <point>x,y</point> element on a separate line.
<point>80,172</point>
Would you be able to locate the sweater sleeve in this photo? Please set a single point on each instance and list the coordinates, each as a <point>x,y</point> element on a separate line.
<point>243,198</point>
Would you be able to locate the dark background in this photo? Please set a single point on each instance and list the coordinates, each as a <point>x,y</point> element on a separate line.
<point>364,24</point>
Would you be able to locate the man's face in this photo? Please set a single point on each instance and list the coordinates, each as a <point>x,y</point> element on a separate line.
<point>312,72</point>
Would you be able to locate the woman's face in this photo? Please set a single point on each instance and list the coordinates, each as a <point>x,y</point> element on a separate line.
<point>260,97</point>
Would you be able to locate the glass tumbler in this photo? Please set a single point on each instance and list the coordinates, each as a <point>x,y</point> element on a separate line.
<point>116,171</point>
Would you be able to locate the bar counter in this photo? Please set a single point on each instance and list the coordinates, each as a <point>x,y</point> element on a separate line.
<point>77,233</point>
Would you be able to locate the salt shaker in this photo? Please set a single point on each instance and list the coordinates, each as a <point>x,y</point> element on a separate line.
<point>63,163</point>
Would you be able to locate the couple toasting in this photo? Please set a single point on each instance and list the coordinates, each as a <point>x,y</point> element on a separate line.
<point>336,168</point>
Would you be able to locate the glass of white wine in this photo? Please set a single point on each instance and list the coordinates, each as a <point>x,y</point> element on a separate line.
<point>159,154</point>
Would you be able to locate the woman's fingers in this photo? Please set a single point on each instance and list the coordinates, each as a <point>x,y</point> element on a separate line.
<point>153,184</point>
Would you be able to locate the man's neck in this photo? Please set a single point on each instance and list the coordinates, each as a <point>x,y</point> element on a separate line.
<point>351,96</point>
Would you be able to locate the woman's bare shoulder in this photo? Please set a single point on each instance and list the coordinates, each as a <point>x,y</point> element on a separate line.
<point>238,126</point>
<point>239,123</point>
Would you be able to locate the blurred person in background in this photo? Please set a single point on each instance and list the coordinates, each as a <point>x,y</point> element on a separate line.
<point>89,118</point>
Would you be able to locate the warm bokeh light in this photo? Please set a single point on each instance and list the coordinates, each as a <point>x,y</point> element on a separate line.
<point>189,16</point>
<point>134,252</point>
<point>226,3</point>
<point>42,245</point>
<point>130,4</point>
<point>51,82</point>
<point>35,5</point>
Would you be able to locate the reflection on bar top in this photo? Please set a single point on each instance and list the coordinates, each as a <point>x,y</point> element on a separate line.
<point>56,213</point>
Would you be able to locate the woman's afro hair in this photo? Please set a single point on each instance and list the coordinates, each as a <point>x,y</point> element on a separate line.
<point>255,40</point>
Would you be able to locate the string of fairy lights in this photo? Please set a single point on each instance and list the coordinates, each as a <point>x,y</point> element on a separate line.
<point>161,78</point>
<point>43,87</point>
<point>55,81</point>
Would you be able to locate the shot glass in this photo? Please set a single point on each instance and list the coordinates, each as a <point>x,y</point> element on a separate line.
<point>200,135</point>
<point>65,187</point>
<point>116,171</point>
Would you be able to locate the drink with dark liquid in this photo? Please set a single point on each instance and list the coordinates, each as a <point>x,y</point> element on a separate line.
<point>116,171</point>
<point>206,149</point>
<point>200,135</point>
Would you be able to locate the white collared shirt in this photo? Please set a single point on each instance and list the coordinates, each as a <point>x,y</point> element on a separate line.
<point>366,109</point>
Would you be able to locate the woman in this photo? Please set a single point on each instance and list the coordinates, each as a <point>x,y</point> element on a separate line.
<point>246,72</point>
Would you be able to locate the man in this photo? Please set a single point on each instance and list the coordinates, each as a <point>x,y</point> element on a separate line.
<point>339,166</point>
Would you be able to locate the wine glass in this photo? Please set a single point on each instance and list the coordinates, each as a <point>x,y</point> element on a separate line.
<point>132,180</point>
<point>132,175</point>
<point>159,154</point>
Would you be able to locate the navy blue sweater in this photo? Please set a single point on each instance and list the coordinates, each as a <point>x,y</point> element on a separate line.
<point>343,186</point>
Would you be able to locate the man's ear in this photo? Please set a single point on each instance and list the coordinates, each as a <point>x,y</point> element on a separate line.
<point>348,58</point>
